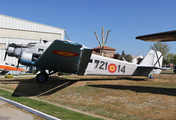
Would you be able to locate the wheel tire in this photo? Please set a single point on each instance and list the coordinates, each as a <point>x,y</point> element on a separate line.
<point>42,77</point>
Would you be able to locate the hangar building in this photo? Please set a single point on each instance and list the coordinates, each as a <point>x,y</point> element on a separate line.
<point>19,31</point>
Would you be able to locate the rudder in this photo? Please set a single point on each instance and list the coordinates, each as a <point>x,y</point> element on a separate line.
<point>153,58</point>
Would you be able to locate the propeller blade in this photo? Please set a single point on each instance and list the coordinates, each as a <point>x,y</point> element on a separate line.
<point>27,67</point>
<point>6,52</point>
<point>18,64</point>
<point>5,56</point>
<point>19,58</point>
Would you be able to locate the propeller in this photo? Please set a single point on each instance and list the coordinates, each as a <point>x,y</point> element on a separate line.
<point>18,63</point>
<point>6,51</point>
<point>19,58</point>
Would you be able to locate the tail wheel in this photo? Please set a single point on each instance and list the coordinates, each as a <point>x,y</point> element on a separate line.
<point>42,77</point>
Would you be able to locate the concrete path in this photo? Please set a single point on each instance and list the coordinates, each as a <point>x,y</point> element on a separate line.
<point>10,112</point>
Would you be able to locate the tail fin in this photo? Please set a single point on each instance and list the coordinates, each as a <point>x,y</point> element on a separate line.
<point>153,59</point>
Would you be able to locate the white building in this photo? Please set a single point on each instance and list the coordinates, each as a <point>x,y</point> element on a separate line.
<point>19,31</point>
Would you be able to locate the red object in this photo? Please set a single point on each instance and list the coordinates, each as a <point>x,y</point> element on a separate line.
<point>112,68</point>
<point>65,53</point>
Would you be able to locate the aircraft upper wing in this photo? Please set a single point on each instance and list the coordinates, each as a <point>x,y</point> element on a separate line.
<point>63,56</point>
<point>159,37</point>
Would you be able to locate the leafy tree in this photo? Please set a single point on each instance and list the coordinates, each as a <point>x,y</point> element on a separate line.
<point>116,56</point>
<point>162,47</point>
<point>127,57</point>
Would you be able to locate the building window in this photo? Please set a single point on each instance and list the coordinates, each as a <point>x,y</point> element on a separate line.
<point>109,53</point>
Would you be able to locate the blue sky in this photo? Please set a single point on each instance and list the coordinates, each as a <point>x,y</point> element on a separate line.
<point>125,18</point>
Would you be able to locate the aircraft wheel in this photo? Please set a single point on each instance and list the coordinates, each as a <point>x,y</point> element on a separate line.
<point>42,77</point>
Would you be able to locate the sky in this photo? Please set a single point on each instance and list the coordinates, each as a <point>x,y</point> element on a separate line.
<point>80,18</point>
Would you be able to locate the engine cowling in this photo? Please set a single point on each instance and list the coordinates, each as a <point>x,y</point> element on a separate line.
<point>10,51</point>
<point>13,49</point>
<point>26,56</point>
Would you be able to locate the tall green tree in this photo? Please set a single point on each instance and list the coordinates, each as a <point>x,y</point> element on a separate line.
<point>162,47</point>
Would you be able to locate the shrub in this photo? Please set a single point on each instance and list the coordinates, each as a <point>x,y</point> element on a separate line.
<point>8,76</point>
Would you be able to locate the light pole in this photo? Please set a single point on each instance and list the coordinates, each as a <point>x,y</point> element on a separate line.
<point>172,63</point>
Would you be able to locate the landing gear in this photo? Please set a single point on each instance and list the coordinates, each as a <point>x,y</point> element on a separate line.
<point>42,77</point>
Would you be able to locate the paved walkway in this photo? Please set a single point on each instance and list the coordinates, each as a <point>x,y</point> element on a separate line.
<point>10,112</point>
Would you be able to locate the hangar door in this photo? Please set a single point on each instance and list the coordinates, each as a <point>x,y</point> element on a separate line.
<point>25,34</point>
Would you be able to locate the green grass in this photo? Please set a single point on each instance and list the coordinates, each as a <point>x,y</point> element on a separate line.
<point>47,108</point>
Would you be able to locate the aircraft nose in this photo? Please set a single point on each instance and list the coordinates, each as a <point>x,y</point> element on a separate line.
<point>10,50</point>
<point>13,50</point>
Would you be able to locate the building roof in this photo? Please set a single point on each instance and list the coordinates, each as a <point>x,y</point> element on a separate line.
<point>105,48</point>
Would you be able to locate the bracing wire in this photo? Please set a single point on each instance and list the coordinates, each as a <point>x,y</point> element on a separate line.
<point>166,83</point>
<point>64,80</point>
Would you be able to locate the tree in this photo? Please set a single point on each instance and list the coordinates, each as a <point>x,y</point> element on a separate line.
<point>116,56</point>
<point>169,58</point>
<point>162,47</point>
<point>103,37</point>
<point>127,57</point>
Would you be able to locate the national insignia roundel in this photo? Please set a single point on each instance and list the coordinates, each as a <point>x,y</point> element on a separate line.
<point>65,53</point>
<point>112,68</point>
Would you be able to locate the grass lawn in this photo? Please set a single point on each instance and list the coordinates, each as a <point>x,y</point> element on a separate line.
<point>47,108</point>
<point>133,98</point>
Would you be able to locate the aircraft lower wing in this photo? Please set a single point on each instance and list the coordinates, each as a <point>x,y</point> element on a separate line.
<point>64,56</point>
<point>159,37</point>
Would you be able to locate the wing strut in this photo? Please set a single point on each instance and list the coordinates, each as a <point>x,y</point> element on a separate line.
<point>67,36</point>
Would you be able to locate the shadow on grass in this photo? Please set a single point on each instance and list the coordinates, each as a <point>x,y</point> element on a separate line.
<point>140,89</point>
<point>29,87</point>
<point>117,78</point>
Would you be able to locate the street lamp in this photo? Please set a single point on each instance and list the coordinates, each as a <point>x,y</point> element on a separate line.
<point>172,63</point>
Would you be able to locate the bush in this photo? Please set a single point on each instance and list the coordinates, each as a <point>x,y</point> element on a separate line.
<point>63,73</point>
<point>8,76</point>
